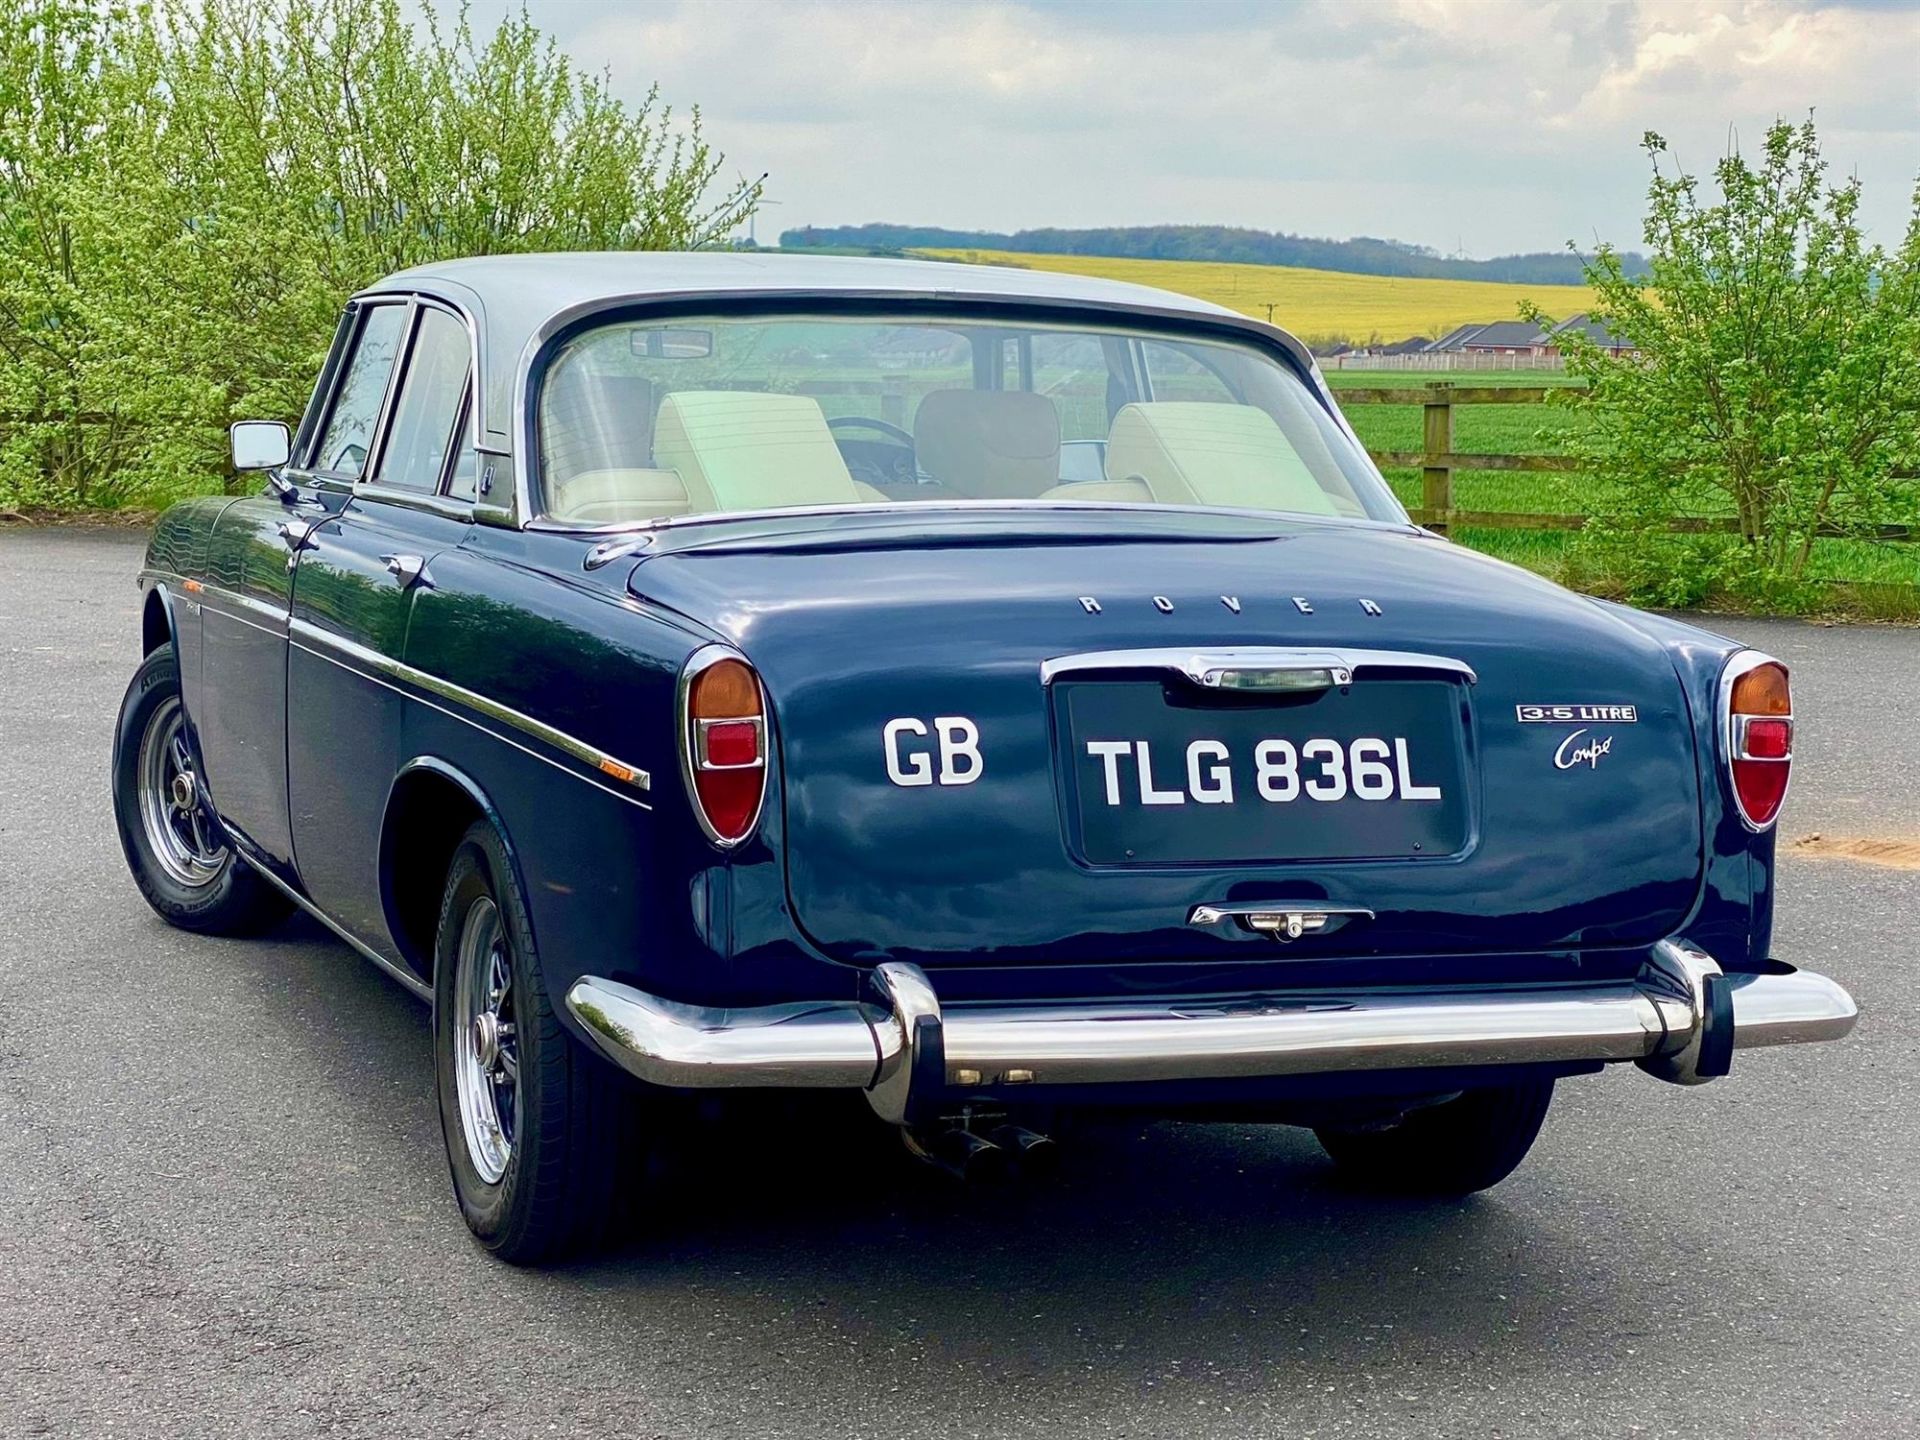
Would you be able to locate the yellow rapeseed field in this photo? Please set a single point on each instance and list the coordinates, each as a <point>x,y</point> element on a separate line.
<point>1314,304</point>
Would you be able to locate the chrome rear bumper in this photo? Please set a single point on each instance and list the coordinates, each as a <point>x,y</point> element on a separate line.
<point>1679,1019</point>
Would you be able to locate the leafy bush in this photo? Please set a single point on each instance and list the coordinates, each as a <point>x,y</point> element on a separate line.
<point>190,189</point>
<point>1776,384</point>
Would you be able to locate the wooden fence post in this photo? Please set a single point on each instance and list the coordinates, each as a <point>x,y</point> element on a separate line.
<point>1436,475</point>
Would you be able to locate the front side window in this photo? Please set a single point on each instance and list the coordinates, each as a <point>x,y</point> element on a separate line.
<point>641,421</point>
<point>424,412</point>
<point>363,385</point>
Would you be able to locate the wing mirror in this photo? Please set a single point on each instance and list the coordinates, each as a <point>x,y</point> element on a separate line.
<point>259,444</point>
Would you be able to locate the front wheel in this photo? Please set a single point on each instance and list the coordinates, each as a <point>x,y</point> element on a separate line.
<point>533,1124</point>
<point>174,844</point>
<point>1468,1143</point>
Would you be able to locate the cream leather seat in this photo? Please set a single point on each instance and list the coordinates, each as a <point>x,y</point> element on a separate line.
<point>750,450</point>
<point>1204,453</point>
<point>989,444</point>
<point>619,497</point>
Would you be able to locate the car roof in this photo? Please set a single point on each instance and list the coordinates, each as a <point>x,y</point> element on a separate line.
<point>515,302</point>
<point>545,285</point>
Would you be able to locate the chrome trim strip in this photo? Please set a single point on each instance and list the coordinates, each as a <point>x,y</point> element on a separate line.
<point>408,981</point>
<point>1205,667</point>
<point>307,635</point>
<point>624,793</point>
<point>225,602</point>
<point>1656,1020</point>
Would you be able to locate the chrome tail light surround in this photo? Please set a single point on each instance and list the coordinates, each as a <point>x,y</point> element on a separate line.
<point>1737,747</point>
<point>699,772</point>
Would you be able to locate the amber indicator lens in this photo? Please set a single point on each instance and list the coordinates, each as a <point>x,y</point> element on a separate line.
<point>1760,731</point>
<point>726,728</point>
<point>1763,690</point>
<point>725,690</point>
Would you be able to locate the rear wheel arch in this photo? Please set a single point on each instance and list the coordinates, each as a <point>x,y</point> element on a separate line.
<point>430,807</point>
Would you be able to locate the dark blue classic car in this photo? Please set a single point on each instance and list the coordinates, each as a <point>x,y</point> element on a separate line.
<point>1004,694</point>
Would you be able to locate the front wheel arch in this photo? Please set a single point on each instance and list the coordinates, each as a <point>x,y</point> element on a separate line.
<point>156,622</point>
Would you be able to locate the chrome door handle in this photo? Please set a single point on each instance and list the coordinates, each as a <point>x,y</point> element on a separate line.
<point>405,568</point>
<point>298,536</point>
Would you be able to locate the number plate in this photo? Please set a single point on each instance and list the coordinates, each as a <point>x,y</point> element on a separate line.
<point>1157,776</point>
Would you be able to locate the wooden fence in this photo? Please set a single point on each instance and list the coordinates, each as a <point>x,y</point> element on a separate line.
<point>1437,461</point>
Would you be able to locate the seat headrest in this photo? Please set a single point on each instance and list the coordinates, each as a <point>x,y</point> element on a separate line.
<point>989,444</point>
<point>750,450</point>
<point>590,421</point>
<point>1207,453</point>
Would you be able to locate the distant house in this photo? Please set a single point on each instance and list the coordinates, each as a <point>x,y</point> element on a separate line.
<point>1497,337</point>
<point>1523,337</point>
<point>1594,330</point>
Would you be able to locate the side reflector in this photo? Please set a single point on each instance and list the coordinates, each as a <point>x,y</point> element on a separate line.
<point>1759,736</point>
<point>723,739</point>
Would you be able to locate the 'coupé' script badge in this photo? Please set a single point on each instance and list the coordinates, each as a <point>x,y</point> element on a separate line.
<point>1570,754</point>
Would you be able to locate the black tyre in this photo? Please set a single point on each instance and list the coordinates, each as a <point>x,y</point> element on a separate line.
<point>1468,1143</point>
<point>179,855</point>
<point>534,1125</point>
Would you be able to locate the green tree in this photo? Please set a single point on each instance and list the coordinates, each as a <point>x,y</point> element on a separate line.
<point>189,190</point>
<point>1776,379</point>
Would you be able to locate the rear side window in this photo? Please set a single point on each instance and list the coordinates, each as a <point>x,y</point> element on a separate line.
<point>363,385</point>
<point>422,429</point>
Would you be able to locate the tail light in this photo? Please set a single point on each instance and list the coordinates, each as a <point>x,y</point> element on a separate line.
<point>1758,734</point>
<point>723,743</point>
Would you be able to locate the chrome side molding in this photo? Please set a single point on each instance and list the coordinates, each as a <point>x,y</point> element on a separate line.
<point>1680,1020</point>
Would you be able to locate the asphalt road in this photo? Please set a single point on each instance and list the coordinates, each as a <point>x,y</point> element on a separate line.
<point>224,1208</point>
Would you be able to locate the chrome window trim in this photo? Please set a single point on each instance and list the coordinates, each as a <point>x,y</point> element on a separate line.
<point>430,501</point>
<point>1744,662</point>
<point>703,659</point>
<point>1011,507</point>
<point>1152,321</point>
<point>1203,666</point>
<point>377,439</point>
<point>464,418</point>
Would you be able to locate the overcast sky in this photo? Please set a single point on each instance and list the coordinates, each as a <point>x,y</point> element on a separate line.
<point>1473,125</point>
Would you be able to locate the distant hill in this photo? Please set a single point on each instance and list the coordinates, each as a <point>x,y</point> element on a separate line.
<point>1212,243</point>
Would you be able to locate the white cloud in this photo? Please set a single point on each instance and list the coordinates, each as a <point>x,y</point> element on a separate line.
<point>1490,125</point>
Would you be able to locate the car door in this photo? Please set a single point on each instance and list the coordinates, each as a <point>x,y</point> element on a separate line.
<point>359,572</point>
<point>238,697</point>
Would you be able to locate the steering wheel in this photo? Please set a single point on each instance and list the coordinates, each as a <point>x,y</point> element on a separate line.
<point>861,422</point>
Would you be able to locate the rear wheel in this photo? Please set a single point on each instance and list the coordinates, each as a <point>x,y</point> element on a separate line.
<point>533,1124</point>
<point>175,847</point>
<point>1468,1143</point>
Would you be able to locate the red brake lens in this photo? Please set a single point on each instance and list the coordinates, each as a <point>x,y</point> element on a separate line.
<point>1769,739</point>
<point>732,742</point>
<point>725,738</point>
<point>1760,740</point>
